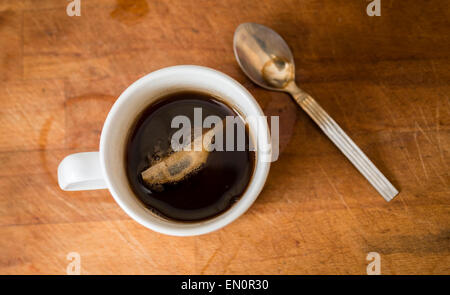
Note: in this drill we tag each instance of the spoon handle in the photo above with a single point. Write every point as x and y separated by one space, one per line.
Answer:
345 144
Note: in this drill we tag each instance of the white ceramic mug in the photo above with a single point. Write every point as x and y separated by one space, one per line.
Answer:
106 168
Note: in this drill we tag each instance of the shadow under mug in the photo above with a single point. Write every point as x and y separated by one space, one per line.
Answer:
105 169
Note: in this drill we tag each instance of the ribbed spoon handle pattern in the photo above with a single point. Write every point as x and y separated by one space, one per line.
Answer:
346 145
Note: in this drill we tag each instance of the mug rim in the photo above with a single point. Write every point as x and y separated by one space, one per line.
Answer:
239 208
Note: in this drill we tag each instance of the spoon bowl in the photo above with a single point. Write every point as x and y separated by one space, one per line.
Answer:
264 56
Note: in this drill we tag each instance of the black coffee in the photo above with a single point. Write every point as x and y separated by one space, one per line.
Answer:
219 183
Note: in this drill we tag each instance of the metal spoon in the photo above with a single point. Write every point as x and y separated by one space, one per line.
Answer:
267 60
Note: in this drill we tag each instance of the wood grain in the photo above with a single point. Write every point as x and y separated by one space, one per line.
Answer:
384 79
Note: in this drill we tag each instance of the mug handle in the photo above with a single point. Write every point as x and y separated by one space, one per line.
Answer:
81 171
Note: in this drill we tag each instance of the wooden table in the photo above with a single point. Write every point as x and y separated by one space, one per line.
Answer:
385 79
